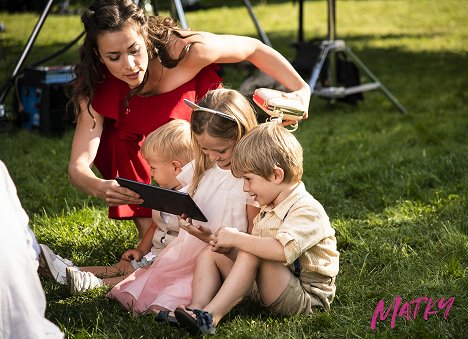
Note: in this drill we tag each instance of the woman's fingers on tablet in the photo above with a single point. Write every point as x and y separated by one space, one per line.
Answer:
119 195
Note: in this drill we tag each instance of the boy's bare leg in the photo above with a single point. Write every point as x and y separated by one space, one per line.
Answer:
272 279
210 270
142 225
119 269
237 284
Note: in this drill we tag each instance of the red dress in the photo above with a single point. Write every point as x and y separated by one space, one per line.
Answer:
124 130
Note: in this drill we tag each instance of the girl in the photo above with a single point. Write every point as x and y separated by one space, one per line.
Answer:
215 131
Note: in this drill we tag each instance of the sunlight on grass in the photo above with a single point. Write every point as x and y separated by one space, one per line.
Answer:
394 186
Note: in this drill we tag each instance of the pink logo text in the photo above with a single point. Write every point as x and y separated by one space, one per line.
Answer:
410 310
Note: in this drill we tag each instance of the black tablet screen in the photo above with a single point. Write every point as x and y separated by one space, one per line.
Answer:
164 200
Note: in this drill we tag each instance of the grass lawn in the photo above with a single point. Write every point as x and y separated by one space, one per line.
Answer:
395 186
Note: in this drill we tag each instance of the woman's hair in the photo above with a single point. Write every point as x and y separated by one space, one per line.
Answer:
114 16
268 146
171 141
227 101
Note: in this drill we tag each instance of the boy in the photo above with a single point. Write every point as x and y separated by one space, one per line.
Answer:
167 150
291 254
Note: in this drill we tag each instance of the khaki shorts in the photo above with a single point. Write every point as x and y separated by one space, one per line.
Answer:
301 298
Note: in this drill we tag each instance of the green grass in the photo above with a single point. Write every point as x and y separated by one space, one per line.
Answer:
394 186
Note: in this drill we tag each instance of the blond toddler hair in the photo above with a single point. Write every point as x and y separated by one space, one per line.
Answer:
171 141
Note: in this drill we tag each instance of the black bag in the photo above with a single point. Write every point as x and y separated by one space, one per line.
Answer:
347 74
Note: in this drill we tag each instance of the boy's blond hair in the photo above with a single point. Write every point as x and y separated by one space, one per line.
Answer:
265 147
171 141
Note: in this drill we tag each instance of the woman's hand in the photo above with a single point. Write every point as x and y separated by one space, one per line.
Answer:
303 96
114 195
132 254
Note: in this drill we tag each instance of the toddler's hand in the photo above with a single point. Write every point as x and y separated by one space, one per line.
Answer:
134 254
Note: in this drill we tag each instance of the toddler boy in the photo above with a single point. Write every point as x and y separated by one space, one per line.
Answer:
167 150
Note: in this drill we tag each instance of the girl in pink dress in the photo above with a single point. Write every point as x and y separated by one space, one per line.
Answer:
222 117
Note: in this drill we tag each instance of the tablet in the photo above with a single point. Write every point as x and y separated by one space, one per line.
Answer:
165 200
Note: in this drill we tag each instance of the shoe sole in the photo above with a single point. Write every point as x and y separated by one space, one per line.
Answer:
70 284
44 267
186 321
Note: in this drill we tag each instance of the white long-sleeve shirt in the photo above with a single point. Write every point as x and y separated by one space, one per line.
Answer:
22 299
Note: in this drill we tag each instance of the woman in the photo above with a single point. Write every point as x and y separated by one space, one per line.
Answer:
133 74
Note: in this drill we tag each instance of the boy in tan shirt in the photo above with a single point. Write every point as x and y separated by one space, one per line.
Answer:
290 260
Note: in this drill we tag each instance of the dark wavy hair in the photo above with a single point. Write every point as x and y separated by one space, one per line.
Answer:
113 16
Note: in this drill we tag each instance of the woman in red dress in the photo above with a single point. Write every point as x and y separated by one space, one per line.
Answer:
133 75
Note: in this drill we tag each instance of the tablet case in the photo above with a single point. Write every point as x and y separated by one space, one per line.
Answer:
165 200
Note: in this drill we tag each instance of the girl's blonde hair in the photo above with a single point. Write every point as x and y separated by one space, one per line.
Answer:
268 146
227 101
171 141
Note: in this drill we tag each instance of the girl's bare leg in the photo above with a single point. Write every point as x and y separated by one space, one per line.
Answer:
126 300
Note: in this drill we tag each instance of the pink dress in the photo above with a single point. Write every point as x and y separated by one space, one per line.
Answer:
167 283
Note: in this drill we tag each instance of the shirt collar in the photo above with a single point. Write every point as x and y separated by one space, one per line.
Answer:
283 208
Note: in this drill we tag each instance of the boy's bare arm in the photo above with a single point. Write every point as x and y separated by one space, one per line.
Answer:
267 248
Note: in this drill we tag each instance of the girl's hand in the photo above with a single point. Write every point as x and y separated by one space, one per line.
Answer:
132 254
114 195
224 238
198 231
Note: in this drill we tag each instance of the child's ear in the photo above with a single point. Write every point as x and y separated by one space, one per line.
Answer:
177 166
278 175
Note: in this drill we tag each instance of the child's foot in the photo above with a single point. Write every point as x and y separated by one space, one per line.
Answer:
197 321
53 265
79 281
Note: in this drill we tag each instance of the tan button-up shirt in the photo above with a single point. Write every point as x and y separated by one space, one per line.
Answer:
301 225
